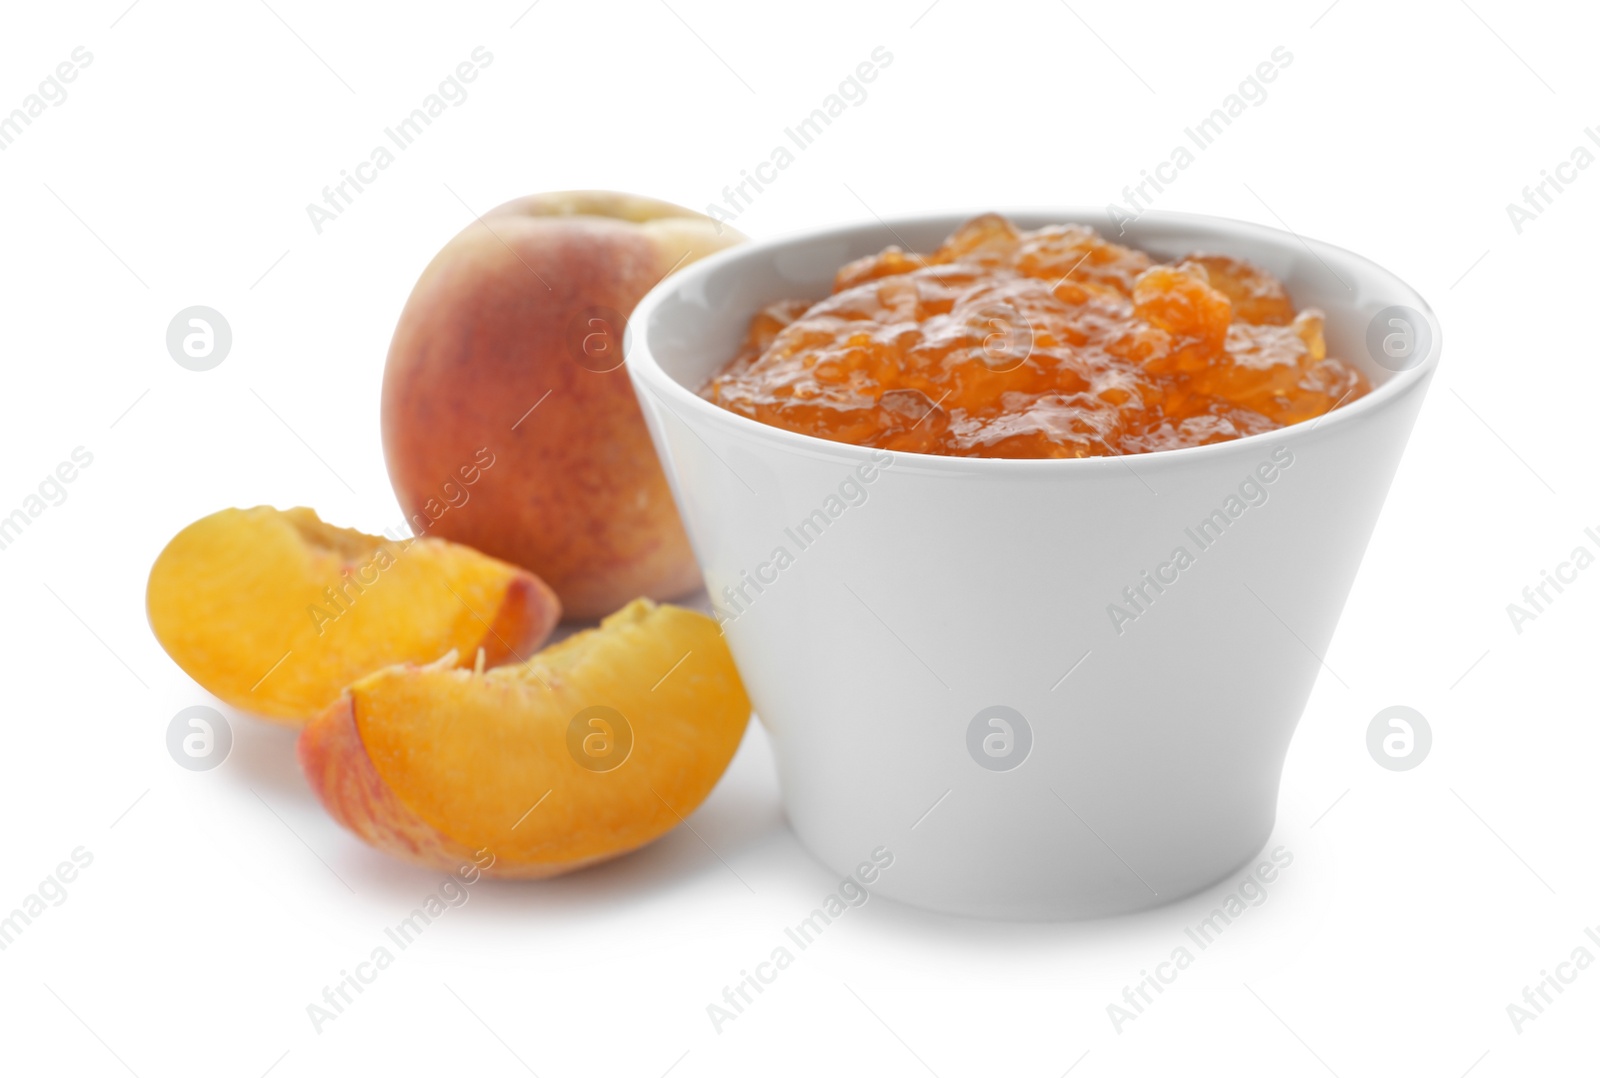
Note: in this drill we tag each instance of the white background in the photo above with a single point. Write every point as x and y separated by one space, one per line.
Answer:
219 904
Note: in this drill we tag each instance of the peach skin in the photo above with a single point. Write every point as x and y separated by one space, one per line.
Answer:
512 339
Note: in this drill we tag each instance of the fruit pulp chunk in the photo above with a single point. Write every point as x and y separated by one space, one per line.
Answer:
1050 343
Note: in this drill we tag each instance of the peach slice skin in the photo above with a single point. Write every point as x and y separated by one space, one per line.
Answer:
350 788
237 600
439 765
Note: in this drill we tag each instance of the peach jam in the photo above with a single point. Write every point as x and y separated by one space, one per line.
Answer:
1050 343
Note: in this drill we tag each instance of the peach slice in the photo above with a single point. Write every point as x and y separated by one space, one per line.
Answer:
592 748
275 611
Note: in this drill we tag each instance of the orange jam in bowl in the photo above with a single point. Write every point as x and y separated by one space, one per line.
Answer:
1049 343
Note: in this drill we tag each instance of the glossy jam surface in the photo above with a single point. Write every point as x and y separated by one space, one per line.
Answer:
1051 343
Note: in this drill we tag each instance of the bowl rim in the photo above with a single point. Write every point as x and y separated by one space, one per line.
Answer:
648 377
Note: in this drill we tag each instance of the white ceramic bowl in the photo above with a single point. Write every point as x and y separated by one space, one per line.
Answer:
935 655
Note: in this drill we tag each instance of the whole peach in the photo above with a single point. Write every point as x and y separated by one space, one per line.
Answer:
509 351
